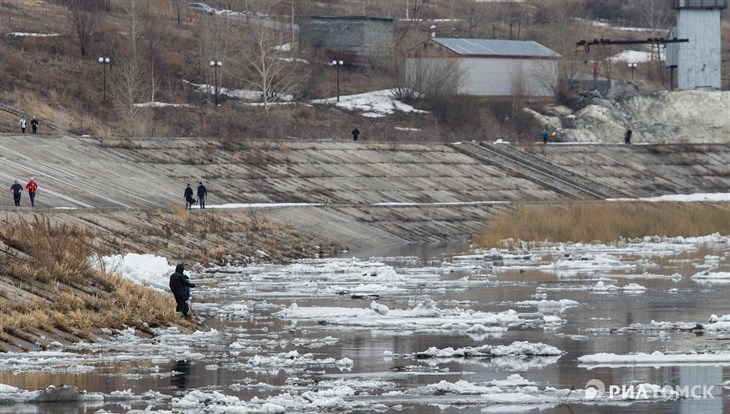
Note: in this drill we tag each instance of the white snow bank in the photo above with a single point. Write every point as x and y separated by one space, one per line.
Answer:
373 104
144 269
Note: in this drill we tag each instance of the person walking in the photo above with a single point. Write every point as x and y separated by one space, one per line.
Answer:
34 125
202 193
545 135
16 188
32 187
189 200
22 124
355 134
627 136
180 286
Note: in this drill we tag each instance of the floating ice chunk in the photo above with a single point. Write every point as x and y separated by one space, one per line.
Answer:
378 308
521 348
656 358
634 287
710 276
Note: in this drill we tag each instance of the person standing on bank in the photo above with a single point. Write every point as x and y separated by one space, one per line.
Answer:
180 286
189 201
627 136
22 124
34 125
202 193
545 135
32 187
355 134
16 188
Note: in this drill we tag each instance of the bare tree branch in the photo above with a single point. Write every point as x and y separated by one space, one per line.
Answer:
84 16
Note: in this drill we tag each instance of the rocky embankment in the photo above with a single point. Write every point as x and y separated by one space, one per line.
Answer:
359 195
654 116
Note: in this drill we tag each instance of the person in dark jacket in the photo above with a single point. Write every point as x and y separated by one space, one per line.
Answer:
627 136
179 285
202 193
34 125
355 134
16 188
189 200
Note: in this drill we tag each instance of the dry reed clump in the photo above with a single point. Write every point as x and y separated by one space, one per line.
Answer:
604 222
58 288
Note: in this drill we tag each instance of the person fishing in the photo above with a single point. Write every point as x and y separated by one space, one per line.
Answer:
180 286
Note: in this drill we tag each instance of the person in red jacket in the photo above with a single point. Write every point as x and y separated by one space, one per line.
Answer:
32 187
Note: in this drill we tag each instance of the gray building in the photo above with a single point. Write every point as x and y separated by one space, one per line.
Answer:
491 67
356 35
698 63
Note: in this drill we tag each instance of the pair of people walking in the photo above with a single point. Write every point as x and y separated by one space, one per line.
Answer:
17 190
33 125
188 196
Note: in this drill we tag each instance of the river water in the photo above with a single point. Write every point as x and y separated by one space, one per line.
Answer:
352 334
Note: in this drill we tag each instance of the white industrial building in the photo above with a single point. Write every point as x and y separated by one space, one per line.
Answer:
698 62
491 67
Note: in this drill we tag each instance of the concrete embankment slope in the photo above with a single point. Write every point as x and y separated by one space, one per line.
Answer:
360 194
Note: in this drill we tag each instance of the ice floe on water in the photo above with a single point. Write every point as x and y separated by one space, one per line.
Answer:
712 277
516 348
496 330
655 358
424 316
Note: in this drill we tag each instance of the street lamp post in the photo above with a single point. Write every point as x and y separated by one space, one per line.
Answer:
215 65
632 66
337 64
104 61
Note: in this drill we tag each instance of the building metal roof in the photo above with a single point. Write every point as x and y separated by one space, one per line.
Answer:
496 47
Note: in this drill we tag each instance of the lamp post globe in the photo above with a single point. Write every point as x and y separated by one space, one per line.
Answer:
632 66
337 64
104 61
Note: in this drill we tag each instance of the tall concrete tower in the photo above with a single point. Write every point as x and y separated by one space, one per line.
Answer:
699 61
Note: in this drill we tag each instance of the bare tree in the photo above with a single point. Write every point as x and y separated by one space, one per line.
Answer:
657 15
133 10
431 78
519 90
270 65
84 16
130 80
178 6
134 78
564 30
483 16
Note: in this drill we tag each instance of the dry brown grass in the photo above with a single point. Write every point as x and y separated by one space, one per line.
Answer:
59 289
604 222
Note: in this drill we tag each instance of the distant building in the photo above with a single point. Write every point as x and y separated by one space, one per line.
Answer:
347 35
491 67
698 63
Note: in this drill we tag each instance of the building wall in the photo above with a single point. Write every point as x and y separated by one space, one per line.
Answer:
498 76
362 36
699 61
379 37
